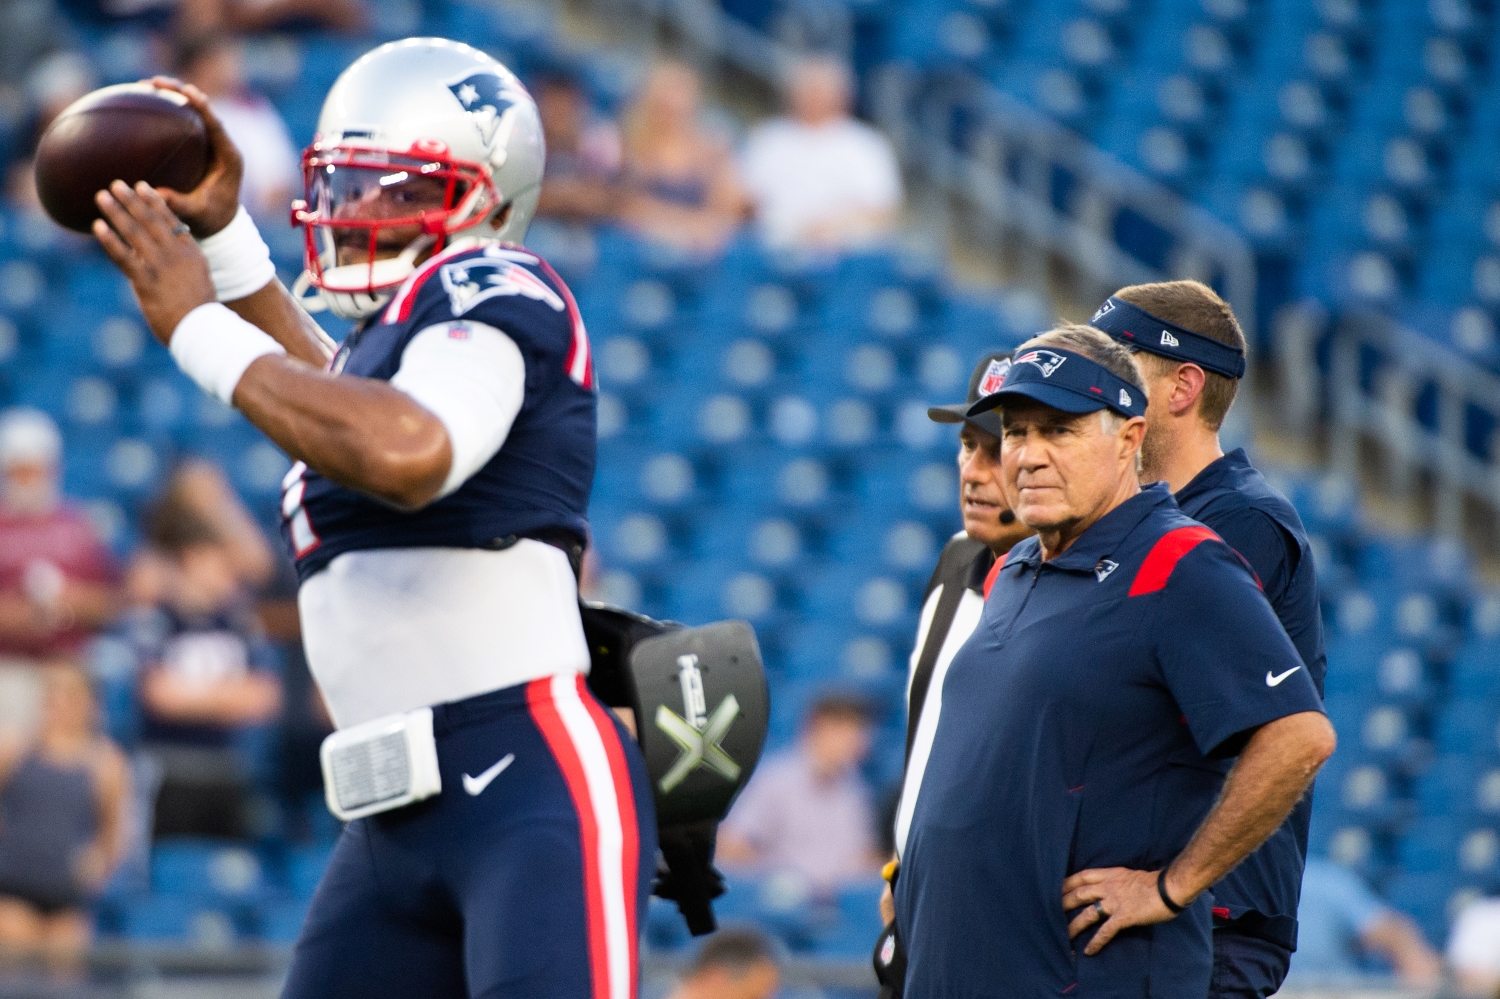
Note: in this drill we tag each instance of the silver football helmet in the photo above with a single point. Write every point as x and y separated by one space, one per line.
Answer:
424 145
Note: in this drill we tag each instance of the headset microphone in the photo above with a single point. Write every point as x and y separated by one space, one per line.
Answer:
1007 517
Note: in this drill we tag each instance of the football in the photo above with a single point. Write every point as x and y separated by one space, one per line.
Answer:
129 132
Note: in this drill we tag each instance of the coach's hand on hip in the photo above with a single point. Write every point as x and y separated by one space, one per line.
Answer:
155 252
1112 898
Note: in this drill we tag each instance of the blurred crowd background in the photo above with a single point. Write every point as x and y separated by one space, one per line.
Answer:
776 290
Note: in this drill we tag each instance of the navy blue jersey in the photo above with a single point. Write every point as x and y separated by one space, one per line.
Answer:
1078 728
538 483
1244 509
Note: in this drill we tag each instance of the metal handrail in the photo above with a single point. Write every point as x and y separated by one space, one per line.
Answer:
1381 409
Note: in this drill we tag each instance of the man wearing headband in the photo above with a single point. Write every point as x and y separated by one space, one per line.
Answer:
951 606
1190 348
1067 828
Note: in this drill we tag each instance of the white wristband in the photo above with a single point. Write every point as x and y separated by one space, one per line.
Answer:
213 347
239 261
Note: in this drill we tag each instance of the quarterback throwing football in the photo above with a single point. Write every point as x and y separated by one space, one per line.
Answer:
501 838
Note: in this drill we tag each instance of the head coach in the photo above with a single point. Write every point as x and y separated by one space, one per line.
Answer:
1191 351
1070 822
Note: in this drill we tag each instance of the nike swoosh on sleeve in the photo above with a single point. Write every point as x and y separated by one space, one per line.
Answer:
1273 681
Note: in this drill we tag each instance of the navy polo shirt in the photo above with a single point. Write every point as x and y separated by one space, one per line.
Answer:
1077 732
1230 496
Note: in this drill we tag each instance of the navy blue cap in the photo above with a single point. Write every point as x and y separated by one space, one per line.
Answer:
1067 381
1135 327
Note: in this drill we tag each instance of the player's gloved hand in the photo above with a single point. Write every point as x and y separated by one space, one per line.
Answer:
689 877
1111 899
165 267
212 205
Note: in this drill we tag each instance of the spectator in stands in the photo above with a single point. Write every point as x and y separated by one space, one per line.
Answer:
215 65
820 179
56 578
583 155
680 184
731 964
63 800
1474 949
1341 923
189 18
50 86
205 678
808 810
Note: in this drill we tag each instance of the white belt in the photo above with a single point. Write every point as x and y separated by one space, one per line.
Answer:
383 764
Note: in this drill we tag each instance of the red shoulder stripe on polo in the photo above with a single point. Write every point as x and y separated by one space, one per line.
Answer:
989 580
1164 556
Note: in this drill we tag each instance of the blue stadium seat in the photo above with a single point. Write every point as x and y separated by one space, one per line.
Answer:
206 869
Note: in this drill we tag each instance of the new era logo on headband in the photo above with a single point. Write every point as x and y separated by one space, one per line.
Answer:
1168 340
1124 398
994 376
1046 360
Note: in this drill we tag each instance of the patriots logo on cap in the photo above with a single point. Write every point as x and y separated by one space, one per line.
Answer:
1046 360
994 376
1167 339
486 96
1125 398
1104 310
470 282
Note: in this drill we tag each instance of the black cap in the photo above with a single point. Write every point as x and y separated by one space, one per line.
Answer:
989 374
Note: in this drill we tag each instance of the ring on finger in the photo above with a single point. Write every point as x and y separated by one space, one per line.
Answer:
180 229
1099 911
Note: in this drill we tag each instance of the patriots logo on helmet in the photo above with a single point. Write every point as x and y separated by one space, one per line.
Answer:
470 282
1045 360
486 96
994 376
1104 310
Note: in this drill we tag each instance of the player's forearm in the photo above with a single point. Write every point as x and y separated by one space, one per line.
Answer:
358 432
1273 772
274 310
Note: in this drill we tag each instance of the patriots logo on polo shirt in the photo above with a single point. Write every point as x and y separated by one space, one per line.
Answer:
1104 310
1046 360
470 282
486 96
1167 339
994 376
1104 568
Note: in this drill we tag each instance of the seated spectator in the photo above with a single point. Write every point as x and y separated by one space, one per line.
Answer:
583 155
273 165
57 583
680 185
808 810
1474 949
189 18
204 678
731 964
1341 924
819 179
63 801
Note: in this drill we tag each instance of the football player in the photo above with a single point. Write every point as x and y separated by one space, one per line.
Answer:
502 837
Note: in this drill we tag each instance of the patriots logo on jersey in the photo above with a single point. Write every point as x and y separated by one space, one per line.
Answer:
486 96
470 282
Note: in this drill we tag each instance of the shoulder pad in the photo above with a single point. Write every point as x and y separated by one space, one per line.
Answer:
454 285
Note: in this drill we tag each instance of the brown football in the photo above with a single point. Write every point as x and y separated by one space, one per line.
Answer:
129 132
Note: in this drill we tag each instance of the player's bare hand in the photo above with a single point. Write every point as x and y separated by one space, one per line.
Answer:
1112 898
164 266
211 205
